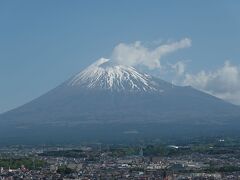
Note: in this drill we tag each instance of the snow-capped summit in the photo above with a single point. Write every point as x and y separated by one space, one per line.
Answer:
90 108
108 75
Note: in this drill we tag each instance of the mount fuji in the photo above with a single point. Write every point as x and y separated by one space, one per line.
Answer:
112 102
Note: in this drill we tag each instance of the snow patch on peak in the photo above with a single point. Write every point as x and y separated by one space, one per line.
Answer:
105 74
99 62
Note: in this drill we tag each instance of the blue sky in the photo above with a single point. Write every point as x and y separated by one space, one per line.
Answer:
43 43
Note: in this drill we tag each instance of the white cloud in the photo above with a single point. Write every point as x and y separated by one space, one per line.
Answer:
223 82
179 68
137 54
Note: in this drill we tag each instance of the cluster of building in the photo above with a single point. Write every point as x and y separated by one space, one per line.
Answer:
97 164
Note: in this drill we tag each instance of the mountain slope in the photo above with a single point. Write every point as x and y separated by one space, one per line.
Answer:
107 96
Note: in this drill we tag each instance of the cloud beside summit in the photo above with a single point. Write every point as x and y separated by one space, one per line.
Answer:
223 82
137 54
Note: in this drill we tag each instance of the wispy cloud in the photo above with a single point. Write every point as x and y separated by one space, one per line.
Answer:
223 82
137 54
179 68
